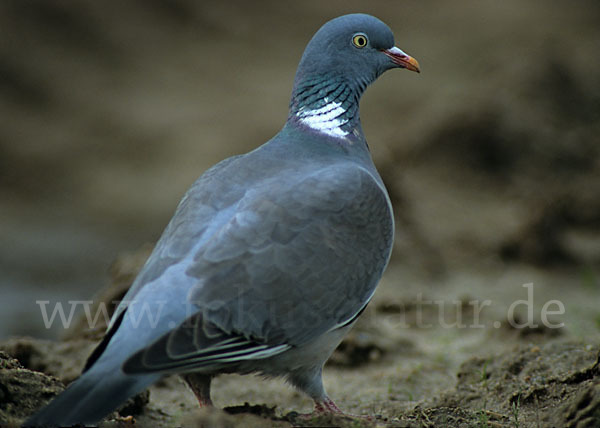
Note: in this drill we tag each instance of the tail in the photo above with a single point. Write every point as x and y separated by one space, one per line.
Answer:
90 398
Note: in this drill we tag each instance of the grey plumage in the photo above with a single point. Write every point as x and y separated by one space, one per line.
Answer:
270 256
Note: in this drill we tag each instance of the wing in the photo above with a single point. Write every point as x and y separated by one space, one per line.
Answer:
195 344
195 215
299 256
181 234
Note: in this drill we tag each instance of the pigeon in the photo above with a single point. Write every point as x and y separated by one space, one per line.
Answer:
270 257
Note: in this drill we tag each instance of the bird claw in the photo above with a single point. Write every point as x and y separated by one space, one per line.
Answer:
329 410
327 406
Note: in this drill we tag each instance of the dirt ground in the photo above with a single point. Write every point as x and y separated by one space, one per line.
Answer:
488 314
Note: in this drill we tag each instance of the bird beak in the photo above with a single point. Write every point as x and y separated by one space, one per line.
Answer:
401 59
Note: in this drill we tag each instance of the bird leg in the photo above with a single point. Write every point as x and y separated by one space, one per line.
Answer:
200 386
326 406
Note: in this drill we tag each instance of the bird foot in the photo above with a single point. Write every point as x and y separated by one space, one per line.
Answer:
328 409
327 406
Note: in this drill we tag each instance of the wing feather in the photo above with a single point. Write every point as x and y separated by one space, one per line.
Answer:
292 258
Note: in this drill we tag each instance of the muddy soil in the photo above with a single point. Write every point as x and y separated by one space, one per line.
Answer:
409 362
488 314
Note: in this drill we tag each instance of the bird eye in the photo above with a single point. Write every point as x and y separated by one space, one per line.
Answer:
359 40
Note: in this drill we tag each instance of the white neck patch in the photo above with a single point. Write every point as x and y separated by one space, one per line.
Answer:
325 119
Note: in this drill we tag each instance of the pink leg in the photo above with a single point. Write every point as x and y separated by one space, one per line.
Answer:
327 406
200 386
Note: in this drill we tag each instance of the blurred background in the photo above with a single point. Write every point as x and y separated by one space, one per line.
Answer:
110 110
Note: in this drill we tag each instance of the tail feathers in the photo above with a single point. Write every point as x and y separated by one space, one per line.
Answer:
90 398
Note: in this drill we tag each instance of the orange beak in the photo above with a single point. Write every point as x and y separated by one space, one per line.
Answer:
402 60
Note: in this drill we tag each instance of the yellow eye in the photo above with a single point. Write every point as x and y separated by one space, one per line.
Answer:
359 40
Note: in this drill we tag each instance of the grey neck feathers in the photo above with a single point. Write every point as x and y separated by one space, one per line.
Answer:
327 104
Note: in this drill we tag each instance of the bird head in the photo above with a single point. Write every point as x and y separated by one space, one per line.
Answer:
358 47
